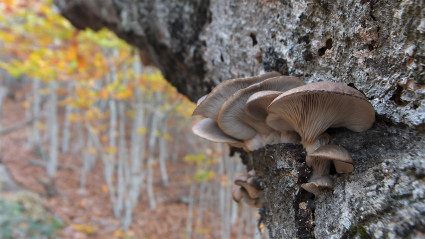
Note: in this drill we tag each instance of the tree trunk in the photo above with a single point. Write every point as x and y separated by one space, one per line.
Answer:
374 46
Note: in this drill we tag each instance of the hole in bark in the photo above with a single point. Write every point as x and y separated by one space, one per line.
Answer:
328 46
221 58
372 45
281 66
305 39
415 105
254 39
397 96
308 56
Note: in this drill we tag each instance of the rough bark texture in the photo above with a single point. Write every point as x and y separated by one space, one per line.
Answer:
376 46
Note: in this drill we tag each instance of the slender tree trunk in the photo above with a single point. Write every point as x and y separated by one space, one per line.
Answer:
3 94
35 139
53 131
122 159
163 150
66 125
88 162
190 211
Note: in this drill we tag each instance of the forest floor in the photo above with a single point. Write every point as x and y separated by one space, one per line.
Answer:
90 215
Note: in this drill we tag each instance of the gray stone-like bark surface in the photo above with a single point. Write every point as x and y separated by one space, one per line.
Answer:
376 46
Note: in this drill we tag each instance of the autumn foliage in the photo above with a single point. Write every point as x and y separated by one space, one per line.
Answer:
88 95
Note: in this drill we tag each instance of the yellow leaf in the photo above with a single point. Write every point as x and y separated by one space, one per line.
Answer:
88 229
111 150
141 130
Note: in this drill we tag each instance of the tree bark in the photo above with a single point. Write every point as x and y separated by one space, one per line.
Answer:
376 46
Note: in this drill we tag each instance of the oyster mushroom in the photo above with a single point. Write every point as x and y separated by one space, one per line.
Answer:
201 99
251 185
240 195
210 105
255 133
340 157
311 109
256 108
208 129
320 160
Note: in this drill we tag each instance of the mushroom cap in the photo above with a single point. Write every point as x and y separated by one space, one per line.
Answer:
210 106
313 108
240 179
339 155
251 186
241 195
318 185
256 105
208 129
201 99
232 118
250 183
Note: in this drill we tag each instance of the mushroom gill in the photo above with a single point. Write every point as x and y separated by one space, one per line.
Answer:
233 120
311 109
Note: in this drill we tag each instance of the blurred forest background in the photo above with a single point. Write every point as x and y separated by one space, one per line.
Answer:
96 145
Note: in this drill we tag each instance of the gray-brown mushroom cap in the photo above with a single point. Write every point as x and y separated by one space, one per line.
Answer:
256 105
232 118
208 129
340 157
200 100
210 106
240 195
250 184
318 185
313 108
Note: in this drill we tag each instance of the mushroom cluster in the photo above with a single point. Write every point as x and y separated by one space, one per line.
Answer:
248 190
232 116
252 112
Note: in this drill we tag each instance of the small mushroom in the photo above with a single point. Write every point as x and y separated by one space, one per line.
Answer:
340 157
240 195
208 129
311 109
320 161
319 185
255 133
251 185
210 106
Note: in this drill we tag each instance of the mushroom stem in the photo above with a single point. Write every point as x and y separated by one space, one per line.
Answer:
321 167
254 143
310 147
320 179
